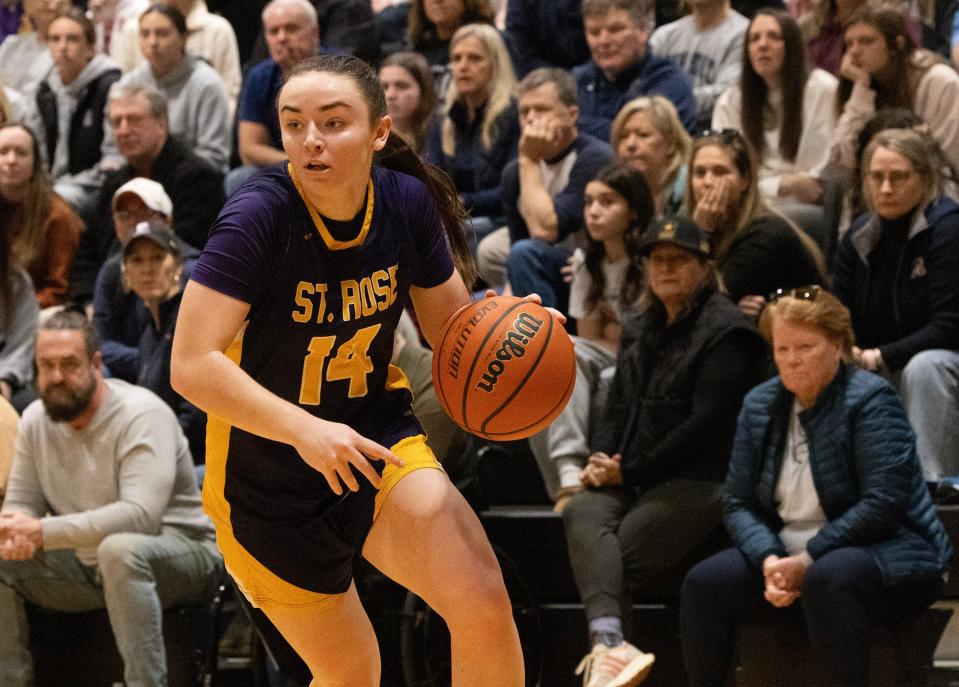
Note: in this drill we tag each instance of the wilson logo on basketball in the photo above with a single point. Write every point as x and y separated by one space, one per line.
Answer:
514 344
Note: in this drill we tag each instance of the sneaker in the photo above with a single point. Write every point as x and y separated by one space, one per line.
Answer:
590 663
621 666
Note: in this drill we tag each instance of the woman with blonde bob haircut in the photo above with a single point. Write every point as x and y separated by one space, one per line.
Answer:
648 135
825 503
479 130
896 272
756 249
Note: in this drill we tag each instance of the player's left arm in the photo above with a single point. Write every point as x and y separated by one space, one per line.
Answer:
437 304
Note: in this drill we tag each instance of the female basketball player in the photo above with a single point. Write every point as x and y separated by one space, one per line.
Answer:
313 455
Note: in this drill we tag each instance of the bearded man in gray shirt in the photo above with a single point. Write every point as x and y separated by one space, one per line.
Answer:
102 508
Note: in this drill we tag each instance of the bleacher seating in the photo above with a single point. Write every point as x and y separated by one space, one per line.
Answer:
78 648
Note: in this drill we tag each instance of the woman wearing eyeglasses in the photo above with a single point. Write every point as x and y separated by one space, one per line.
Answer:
756 249
896 272
824 500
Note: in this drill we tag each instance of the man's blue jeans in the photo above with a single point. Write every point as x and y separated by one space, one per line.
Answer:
929 385
534 266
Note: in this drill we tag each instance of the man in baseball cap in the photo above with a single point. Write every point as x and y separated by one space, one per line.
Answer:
139 200
117 314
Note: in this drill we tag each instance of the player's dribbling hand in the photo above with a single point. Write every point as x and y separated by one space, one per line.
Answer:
533 298
336 447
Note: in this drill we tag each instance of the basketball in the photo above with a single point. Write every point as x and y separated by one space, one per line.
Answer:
504 368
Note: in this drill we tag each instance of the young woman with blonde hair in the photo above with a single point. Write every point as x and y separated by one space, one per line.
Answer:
479 130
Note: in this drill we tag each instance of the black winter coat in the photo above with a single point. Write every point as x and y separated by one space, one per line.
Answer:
672 407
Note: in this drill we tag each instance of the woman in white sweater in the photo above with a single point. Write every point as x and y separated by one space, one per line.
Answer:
786 112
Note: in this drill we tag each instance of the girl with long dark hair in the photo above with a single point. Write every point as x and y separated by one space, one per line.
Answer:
784 110
607 281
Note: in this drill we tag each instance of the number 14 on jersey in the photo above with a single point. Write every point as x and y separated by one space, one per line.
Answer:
352 362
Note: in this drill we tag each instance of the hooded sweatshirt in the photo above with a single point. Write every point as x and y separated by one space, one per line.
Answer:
24 62
70 119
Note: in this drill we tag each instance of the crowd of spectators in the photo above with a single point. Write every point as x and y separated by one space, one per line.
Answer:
766 147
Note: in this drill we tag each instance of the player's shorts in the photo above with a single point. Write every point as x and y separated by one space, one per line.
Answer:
325 546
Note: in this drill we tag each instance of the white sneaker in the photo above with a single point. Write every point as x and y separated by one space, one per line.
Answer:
621 666
589 666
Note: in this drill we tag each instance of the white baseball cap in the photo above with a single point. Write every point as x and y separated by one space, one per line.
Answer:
150 192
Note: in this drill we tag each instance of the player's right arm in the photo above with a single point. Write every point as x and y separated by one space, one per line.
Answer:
203 374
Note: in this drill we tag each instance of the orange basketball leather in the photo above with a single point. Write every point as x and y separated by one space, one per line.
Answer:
504 368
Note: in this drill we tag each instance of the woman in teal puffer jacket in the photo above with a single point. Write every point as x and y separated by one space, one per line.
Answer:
825 502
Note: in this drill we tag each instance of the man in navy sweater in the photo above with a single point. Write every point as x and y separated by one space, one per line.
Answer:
621 68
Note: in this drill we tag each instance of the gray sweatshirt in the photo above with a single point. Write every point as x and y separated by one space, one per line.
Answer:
712 58
199 114
129 470
24 62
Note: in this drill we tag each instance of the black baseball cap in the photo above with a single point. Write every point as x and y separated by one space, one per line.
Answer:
679 231
156 231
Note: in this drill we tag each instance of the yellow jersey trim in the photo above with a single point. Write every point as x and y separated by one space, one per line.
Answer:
321 228
218 449
396 379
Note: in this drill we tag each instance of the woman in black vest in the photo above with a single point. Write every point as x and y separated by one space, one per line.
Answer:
655 478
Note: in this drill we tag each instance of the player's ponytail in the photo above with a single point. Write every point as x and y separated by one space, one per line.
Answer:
398 156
